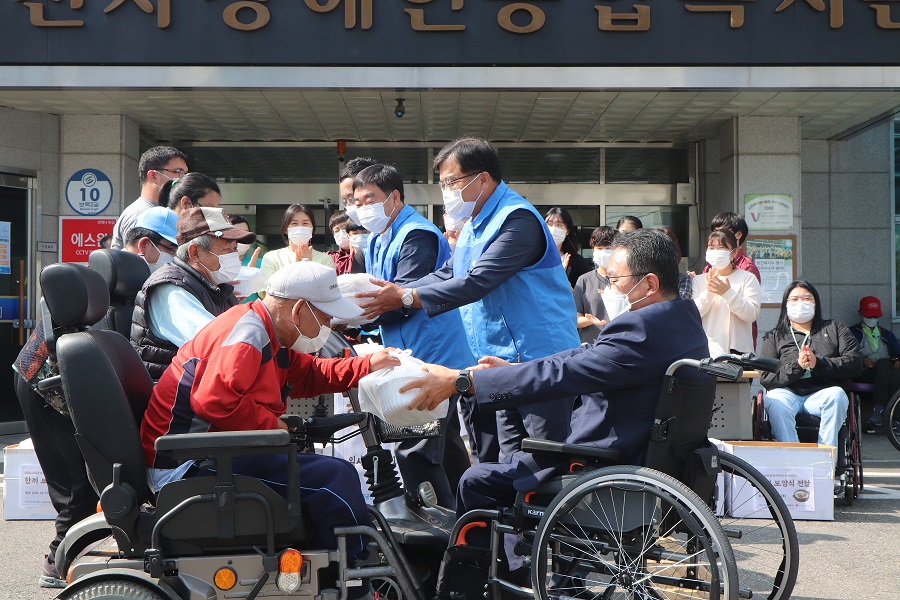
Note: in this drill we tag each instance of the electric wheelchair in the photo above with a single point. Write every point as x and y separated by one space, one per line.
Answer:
613 531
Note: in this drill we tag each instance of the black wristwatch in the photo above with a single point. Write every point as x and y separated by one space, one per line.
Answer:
463 383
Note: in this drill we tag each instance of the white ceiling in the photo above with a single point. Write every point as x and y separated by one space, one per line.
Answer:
294 117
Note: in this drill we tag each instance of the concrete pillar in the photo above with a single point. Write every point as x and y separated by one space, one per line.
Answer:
761 155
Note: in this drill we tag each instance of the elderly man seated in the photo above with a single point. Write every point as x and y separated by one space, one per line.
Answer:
231 375
180 298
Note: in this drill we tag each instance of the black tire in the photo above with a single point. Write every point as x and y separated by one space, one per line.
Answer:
765 541
631 532
891 416
114 589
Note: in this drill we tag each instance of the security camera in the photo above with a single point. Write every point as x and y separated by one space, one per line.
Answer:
400 110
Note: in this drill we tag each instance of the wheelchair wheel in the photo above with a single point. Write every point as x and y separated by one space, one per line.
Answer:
764 538
854 483
114 589
631 532
892 420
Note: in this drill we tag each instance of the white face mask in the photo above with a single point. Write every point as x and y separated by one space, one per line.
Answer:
801 312
456 207
342 239
601 257
351 212
559 235
229 267
870 322
163 259
358 241
300 234
242 249
451 224
718 259
310 345
374 218
615 302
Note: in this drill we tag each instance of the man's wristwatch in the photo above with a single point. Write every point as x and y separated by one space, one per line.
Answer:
463 383
407 300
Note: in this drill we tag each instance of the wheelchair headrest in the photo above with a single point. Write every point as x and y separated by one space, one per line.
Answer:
124 272
75 295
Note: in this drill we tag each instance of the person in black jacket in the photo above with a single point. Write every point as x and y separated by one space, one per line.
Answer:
817 357
881 358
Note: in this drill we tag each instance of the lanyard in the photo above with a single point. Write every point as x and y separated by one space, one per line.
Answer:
793 335
805 339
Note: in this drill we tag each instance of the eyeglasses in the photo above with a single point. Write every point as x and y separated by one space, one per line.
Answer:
608 280
167 248
445 184
178 172
796 299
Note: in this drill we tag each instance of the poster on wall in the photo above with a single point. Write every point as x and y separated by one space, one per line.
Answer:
5 268
79 236
769 212
777 264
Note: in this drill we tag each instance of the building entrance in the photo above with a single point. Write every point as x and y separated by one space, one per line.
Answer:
14 298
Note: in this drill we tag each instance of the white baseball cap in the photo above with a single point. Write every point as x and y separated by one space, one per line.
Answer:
314 283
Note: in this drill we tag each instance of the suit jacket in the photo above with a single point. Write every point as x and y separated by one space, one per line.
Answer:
617 380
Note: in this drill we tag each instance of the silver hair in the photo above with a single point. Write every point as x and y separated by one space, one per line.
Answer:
204 241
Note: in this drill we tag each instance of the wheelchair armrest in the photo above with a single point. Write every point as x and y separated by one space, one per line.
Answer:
536 446
183 445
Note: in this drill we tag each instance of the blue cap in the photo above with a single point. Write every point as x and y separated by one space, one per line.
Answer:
161 220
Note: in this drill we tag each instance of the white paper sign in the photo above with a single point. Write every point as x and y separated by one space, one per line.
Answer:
34 487
769 212
794 485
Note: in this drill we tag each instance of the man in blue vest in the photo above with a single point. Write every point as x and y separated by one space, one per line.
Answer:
403 247
505 277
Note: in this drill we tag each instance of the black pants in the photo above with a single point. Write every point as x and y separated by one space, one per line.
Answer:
53 435
441 460
885 378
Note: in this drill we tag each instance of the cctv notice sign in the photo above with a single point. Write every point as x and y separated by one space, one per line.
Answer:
79 236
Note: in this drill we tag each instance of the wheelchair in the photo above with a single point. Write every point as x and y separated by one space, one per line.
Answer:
609 532
849 469
892 420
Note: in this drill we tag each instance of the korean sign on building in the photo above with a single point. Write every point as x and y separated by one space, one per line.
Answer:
449 32
79 236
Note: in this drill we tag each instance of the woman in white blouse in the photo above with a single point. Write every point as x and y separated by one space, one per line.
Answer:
728 298
297 227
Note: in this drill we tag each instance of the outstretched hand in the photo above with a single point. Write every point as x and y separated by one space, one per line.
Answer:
383 359
389 297
436 385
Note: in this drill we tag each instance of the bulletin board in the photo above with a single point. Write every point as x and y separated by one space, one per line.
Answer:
776 258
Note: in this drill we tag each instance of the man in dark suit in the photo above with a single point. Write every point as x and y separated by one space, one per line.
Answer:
616 379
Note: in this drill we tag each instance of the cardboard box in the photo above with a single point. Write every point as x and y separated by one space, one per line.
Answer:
803 475
25 493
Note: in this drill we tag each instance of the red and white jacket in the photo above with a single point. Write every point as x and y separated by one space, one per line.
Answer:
231 376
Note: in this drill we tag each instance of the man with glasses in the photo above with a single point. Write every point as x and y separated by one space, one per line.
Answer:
616 379
180 298
157 166
405 246
506 279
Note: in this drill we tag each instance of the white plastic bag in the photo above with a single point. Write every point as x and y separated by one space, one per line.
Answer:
351 284
249 281
379 394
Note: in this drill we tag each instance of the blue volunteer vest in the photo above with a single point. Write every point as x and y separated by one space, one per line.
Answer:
531 314
441 339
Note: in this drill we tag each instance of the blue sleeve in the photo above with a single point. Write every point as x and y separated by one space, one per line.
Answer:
176 315
520 243
418 255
